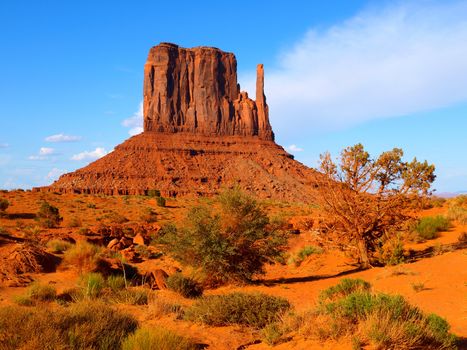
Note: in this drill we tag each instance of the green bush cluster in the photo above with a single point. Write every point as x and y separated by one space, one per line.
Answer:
4 204
429 227
304 253
48 215
230 244
380 320
250 309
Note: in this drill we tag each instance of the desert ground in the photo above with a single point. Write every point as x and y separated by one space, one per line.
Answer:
431 276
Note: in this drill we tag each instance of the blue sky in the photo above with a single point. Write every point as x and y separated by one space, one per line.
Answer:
383 73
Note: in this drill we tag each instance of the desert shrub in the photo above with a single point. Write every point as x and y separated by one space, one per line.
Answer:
428 227
116 282
91 206
91 285
154 193
131 296
160 201
271 334
345 287
148 215
157 339
87 325
379 320
4 204
232 244
158 307
83 255
48 215
304 253
37 292
74 222
458 213
185 286
251 309
58 245
391 252
462 237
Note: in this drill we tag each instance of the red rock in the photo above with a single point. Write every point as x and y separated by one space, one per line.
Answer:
201 134
157 279
138 239
113 243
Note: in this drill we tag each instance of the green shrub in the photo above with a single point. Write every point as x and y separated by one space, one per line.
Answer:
154 193
382 321
87 325
345 287
157 339
232 244
428 227
4 204
116 282
91 285
250 309
160 201
58 246
272 333
304 253
36 292
185 286
48 215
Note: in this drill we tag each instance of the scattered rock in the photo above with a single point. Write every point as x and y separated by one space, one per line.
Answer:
138 239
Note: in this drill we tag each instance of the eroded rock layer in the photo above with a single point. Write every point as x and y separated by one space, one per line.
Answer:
185 164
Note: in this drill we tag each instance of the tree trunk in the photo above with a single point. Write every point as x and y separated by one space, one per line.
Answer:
363 253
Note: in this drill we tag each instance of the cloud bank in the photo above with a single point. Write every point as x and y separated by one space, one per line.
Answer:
99 152
135 122
389 62
62 138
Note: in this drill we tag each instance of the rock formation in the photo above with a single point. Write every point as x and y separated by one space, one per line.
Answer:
201 133
196 90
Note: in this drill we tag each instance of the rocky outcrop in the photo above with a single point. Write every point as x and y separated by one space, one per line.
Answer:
201 134
196 91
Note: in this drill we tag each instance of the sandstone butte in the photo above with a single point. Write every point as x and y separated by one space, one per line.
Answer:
201 134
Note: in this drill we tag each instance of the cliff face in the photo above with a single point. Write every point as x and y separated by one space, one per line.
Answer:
196 91
201 134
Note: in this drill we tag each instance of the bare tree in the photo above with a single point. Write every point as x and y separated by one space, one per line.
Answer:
364 199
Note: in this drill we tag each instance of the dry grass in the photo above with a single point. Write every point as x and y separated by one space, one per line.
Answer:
83 256
79 326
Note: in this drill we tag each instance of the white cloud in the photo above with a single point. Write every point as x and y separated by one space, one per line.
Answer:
46 151
294 148
99 152
135 122
55 173
62 138
395 61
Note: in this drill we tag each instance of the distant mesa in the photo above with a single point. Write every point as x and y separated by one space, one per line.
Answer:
201 133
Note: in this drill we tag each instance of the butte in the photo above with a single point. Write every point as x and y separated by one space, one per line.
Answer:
201 134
